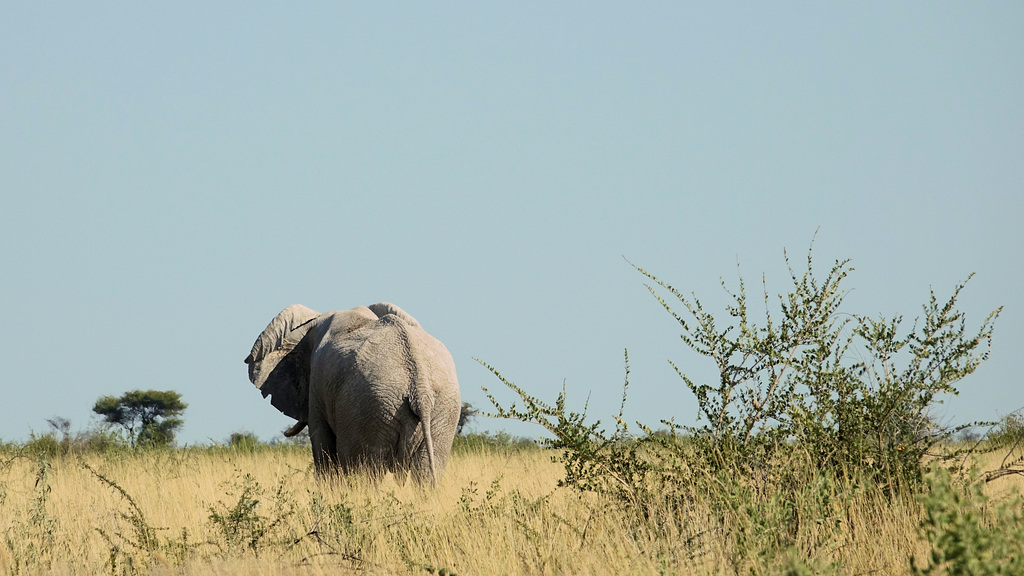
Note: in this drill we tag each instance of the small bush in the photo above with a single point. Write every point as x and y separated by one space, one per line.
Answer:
1008 433
46 446
59 442
254 520
969 535
478 441
245 441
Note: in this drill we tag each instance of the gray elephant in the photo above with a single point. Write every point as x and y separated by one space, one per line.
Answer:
377 391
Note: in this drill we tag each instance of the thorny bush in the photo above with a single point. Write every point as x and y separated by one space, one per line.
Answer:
811 387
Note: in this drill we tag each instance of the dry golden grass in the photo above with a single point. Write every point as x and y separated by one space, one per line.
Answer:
496 512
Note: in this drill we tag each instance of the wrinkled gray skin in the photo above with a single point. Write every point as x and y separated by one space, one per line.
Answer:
376 390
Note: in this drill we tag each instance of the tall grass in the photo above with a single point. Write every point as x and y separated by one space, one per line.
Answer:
498 511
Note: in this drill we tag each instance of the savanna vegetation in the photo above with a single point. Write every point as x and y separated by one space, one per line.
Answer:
147 417
815 453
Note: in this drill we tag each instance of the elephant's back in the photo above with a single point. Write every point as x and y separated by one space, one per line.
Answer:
384 350
391 352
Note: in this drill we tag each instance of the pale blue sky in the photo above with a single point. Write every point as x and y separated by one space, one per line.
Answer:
173 176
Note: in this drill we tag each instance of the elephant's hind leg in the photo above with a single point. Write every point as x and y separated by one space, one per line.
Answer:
410 439
325 449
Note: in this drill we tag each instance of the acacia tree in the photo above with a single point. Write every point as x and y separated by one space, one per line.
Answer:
149 417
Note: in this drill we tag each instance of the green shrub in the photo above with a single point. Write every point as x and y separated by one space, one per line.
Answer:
479 441
1008 433
59 442
46 446
245 441
969 535
643 472
852 391
255 520
808 401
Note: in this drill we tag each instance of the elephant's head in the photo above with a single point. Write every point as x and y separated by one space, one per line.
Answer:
280 358
279 361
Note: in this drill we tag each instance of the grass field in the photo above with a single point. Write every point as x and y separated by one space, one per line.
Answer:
498 511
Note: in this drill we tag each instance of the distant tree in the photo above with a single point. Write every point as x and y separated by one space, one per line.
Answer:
465 415
150 417
243 440
60 426
969 435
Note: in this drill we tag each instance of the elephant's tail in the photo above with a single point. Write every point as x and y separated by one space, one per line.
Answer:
415 439
431 459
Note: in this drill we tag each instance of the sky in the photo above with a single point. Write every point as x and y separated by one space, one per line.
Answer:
172 176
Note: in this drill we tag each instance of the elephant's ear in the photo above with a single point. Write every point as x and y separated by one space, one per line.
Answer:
279 361
382 309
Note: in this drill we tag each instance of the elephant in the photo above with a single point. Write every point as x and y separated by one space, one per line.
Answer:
378 393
